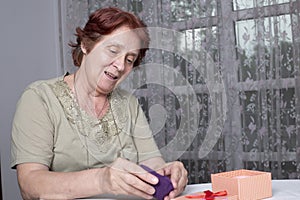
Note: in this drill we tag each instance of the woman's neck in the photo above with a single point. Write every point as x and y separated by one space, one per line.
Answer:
94 103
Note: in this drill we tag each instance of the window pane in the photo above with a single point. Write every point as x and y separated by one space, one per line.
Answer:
199 39
200 170
262 111
250 120
135 6
265 48
198 43
288 120
244 4
184 10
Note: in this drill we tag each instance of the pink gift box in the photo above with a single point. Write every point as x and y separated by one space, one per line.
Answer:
246 184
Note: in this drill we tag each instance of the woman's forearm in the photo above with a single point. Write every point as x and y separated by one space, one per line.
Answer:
37 182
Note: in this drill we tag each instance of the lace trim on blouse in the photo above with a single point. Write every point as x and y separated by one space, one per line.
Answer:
100 131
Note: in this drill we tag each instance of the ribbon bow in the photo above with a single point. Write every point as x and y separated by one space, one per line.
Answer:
208 195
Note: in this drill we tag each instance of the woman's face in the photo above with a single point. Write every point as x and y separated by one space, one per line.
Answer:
111 60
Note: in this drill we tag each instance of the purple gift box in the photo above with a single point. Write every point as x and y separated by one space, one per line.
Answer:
163 187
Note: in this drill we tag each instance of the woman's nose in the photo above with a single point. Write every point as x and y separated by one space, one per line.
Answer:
119 63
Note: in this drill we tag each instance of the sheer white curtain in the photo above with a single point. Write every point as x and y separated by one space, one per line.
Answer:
219 84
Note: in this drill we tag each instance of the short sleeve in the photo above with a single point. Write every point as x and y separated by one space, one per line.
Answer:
143 137
32 131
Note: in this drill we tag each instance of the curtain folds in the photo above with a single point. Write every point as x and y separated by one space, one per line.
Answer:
220 82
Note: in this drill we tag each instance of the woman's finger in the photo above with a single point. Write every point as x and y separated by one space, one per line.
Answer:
132 168
135 187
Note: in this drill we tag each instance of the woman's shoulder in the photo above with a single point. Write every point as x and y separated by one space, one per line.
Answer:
40 87
124 98
41 83
124 94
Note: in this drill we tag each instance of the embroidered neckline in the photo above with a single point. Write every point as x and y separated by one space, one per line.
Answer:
100 131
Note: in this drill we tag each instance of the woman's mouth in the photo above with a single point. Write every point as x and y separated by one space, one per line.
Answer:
110 75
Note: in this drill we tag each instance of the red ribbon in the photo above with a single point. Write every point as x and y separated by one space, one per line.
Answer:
208 195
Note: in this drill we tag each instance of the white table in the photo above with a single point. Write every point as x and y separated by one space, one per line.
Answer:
281 189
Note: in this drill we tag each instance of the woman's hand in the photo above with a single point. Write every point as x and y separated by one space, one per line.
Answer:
178 175
175 170
125 177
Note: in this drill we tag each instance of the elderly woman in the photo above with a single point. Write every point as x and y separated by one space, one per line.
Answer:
78 135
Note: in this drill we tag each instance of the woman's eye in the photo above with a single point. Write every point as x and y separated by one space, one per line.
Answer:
113 51
129 61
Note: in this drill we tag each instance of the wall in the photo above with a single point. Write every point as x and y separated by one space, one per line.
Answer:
29 50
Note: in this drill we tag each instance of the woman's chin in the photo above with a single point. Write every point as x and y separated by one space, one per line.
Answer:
105 90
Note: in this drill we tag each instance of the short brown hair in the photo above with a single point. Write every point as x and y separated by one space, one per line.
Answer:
103 22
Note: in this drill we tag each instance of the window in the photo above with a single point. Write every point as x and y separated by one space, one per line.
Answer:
250 50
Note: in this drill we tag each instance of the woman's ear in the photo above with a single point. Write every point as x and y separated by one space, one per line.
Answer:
83 49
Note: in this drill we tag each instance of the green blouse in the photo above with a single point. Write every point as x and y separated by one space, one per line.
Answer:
50 128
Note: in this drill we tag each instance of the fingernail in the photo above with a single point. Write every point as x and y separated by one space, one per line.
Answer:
152 191
154 179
